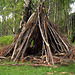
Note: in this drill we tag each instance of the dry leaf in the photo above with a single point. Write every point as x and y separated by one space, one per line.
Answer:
63 72
55 66
54 71
49 73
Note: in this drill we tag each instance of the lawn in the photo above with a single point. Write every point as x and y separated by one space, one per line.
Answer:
28 70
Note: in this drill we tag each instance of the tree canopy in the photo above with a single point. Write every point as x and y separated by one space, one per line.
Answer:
10 10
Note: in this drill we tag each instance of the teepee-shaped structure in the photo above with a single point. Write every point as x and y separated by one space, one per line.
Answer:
38 35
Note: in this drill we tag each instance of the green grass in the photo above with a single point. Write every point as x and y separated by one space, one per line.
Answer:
6 40
28 70
73 43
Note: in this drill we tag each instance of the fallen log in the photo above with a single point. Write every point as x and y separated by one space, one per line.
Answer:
12 64
40 65
1 57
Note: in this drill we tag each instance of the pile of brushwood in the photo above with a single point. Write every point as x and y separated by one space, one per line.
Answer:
38 37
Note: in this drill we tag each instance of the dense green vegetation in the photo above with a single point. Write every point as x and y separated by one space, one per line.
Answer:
73 43
6 40
11 11
28 70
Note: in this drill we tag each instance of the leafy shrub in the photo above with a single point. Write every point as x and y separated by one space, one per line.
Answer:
5 40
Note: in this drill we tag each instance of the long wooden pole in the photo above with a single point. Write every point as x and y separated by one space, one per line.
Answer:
47 44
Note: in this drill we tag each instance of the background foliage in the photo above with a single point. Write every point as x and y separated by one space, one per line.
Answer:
58 10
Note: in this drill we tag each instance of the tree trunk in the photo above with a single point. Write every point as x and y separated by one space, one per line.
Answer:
26 13
49 8
55 13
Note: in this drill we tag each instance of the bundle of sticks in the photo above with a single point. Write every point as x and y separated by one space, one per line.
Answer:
50 39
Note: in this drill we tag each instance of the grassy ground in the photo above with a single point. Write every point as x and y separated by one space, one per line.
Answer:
28 70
